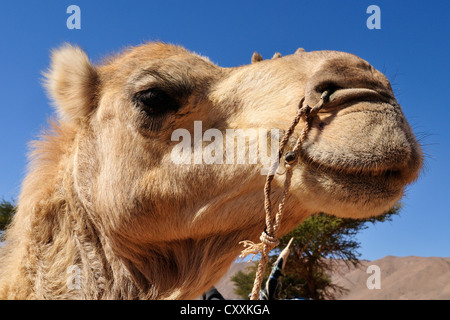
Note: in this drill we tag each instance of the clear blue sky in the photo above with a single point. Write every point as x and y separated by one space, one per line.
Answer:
411 48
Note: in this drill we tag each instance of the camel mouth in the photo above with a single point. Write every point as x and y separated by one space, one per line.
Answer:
350 193
362 135
378 173
357 185
400 169
378 183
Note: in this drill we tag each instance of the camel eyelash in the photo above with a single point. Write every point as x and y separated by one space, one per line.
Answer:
147 124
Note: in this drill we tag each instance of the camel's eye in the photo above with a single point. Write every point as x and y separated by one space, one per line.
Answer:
155 101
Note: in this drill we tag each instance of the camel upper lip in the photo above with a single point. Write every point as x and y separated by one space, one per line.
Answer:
347 95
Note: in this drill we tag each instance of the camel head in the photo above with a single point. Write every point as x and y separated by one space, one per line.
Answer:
150 165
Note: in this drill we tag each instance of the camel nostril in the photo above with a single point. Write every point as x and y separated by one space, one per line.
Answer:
320 90
330 87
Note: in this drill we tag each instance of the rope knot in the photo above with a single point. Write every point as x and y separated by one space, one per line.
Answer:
268 242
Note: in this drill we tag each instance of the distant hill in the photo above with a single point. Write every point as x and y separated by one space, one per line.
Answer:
412 278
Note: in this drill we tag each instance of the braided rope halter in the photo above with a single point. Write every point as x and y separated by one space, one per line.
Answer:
268 237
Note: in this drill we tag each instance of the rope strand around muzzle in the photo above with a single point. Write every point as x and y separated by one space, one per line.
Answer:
268 237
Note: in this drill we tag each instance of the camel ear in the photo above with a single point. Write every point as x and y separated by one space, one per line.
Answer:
72 83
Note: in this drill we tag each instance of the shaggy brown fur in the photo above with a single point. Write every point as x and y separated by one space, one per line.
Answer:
103 198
